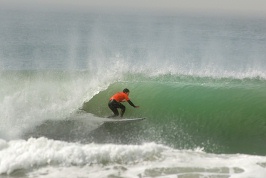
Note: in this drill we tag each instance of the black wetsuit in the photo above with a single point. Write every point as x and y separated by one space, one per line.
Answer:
113 105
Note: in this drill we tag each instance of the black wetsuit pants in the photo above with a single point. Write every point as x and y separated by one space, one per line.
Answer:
114 105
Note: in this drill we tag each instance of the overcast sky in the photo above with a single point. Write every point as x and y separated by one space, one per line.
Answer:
249 7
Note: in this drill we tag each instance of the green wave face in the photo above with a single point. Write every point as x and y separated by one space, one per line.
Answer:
221 115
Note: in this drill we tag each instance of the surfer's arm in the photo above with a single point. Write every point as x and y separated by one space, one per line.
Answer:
132 104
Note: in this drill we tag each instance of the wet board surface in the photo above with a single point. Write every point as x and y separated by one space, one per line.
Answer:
124 120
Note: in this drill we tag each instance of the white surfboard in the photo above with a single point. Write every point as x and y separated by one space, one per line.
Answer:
123 120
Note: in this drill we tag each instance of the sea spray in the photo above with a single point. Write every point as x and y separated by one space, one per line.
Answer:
36 96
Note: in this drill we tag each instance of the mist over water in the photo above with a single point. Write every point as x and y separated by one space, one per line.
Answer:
183 44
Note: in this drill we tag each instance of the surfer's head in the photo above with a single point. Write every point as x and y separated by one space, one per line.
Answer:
126 90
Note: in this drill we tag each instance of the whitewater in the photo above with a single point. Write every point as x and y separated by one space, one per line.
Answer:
199 81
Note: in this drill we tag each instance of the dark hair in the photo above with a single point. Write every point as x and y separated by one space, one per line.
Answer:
126 90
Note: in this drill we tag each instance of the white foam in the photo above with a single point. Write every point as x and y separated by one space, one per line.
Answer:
49 158
22 154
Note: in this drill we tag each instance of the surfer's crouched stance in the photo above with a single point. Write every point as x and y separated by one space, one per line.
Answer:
115 103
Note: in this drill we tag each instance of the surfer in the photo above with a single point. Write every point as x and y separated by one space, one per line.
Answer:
115 102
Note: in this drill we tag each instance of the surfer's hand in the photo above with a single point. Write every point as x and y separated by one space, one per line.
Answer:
136 107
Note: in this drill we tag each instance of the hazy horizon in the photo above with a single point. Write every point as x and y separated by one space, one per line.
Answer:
241 7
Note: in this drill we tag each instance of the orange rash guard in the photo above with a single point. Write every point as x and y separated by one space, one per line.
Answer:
120 97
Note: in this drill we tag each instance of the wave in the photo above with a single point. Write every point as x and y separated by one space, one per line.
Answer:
223 115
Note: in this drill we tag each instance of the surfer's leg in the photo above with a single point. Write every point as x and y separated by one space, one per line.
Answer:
123 109
113 106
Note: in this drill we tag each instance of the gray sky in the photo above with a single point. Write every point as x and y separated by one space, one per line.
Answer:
249 7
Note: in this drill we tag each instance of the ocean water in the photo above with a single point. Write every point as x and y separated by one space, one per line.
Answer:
199 81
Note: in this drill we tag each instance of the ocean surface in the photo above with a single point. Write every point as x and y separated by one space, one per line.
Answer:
200 82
